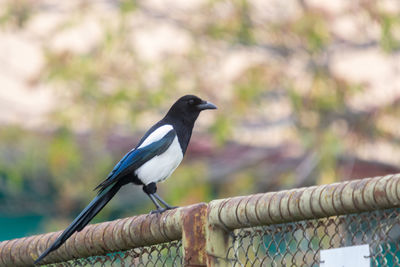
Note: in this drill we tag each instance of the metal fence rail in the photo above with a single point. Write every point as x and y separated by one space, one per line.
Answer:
286 228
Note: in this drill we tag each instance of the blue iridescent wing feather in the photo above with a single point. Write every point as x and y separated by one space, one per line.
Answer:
136 158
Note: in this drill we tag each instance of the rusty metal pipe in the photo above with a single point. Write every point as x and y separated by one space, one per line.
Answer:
306 203
96 239
222 215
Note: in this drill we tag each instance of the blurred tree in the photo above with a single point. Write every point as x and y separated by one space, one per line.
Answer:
283 92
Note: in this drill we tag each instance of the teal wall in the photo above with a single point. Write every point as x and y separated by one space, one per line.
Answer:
19 226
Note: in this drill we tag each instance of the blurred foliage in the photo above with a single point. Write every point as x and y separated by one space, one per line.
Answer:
110 91
16 13
389 41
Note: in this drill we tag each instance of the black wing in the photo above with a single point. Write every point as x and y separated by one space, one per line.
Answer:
136 158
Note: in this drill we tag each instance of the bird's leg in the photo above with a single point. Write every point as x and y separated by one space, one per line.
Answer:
150 190
168 207
158 206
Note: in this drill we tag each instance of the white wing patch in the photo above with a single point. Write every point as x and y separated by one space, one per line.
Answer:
160 167
157 135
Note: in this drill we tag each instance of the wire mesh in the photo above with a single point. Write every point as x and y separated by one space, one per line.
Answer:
166 254
299 243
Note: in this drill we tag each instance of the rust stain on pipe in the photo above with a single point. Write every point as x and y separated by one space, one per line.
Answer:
193 235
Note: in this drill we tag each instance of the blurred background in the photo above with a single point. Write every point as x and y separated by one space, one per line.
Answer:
308 93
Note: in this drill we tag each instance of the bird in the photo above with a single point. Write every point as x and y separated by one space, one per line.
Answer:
154 159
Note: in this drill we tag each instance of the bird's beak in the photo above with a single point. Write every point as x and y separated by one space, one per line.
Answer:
206 105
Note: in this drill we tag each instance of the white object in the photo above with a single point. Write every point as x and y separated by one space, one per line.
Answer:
156 135
354 256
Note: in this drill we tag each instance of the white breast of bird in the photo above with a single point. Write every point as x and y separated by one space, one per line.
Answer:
162 166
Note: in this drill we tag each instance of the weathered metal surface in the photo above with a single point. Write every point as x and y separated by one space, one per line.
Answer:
209 225
218 241
96 239
306 203
193 235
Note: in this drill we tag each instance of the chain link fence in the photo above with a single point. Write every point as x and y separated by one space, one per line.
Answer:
300 243
286 228
166 254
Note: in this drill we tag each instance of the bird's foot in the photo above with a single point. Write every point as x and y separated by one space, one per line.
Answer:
158 211
171 207
161 210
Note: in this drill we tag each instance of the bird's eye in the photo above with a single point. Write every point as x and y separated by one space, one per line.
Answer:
191 101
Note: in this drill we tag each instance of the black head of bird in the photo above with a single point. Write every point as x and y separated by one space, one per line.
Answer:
188 108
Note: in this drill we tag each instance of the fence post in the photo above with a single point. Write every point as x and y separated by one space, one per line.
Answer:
193 235
218 239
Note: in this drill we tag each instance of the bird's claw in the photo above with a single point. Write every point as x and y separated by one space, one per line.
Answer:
161 210
158 211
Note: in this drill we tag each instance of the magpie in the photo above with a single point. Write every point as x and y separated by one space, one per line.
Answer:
156 156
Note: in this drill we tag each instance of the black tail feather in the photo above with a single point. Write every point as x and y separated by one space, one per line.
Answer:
83 218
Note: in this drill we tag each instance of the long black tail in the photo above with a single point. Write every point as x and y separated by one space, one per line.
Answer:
83 218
